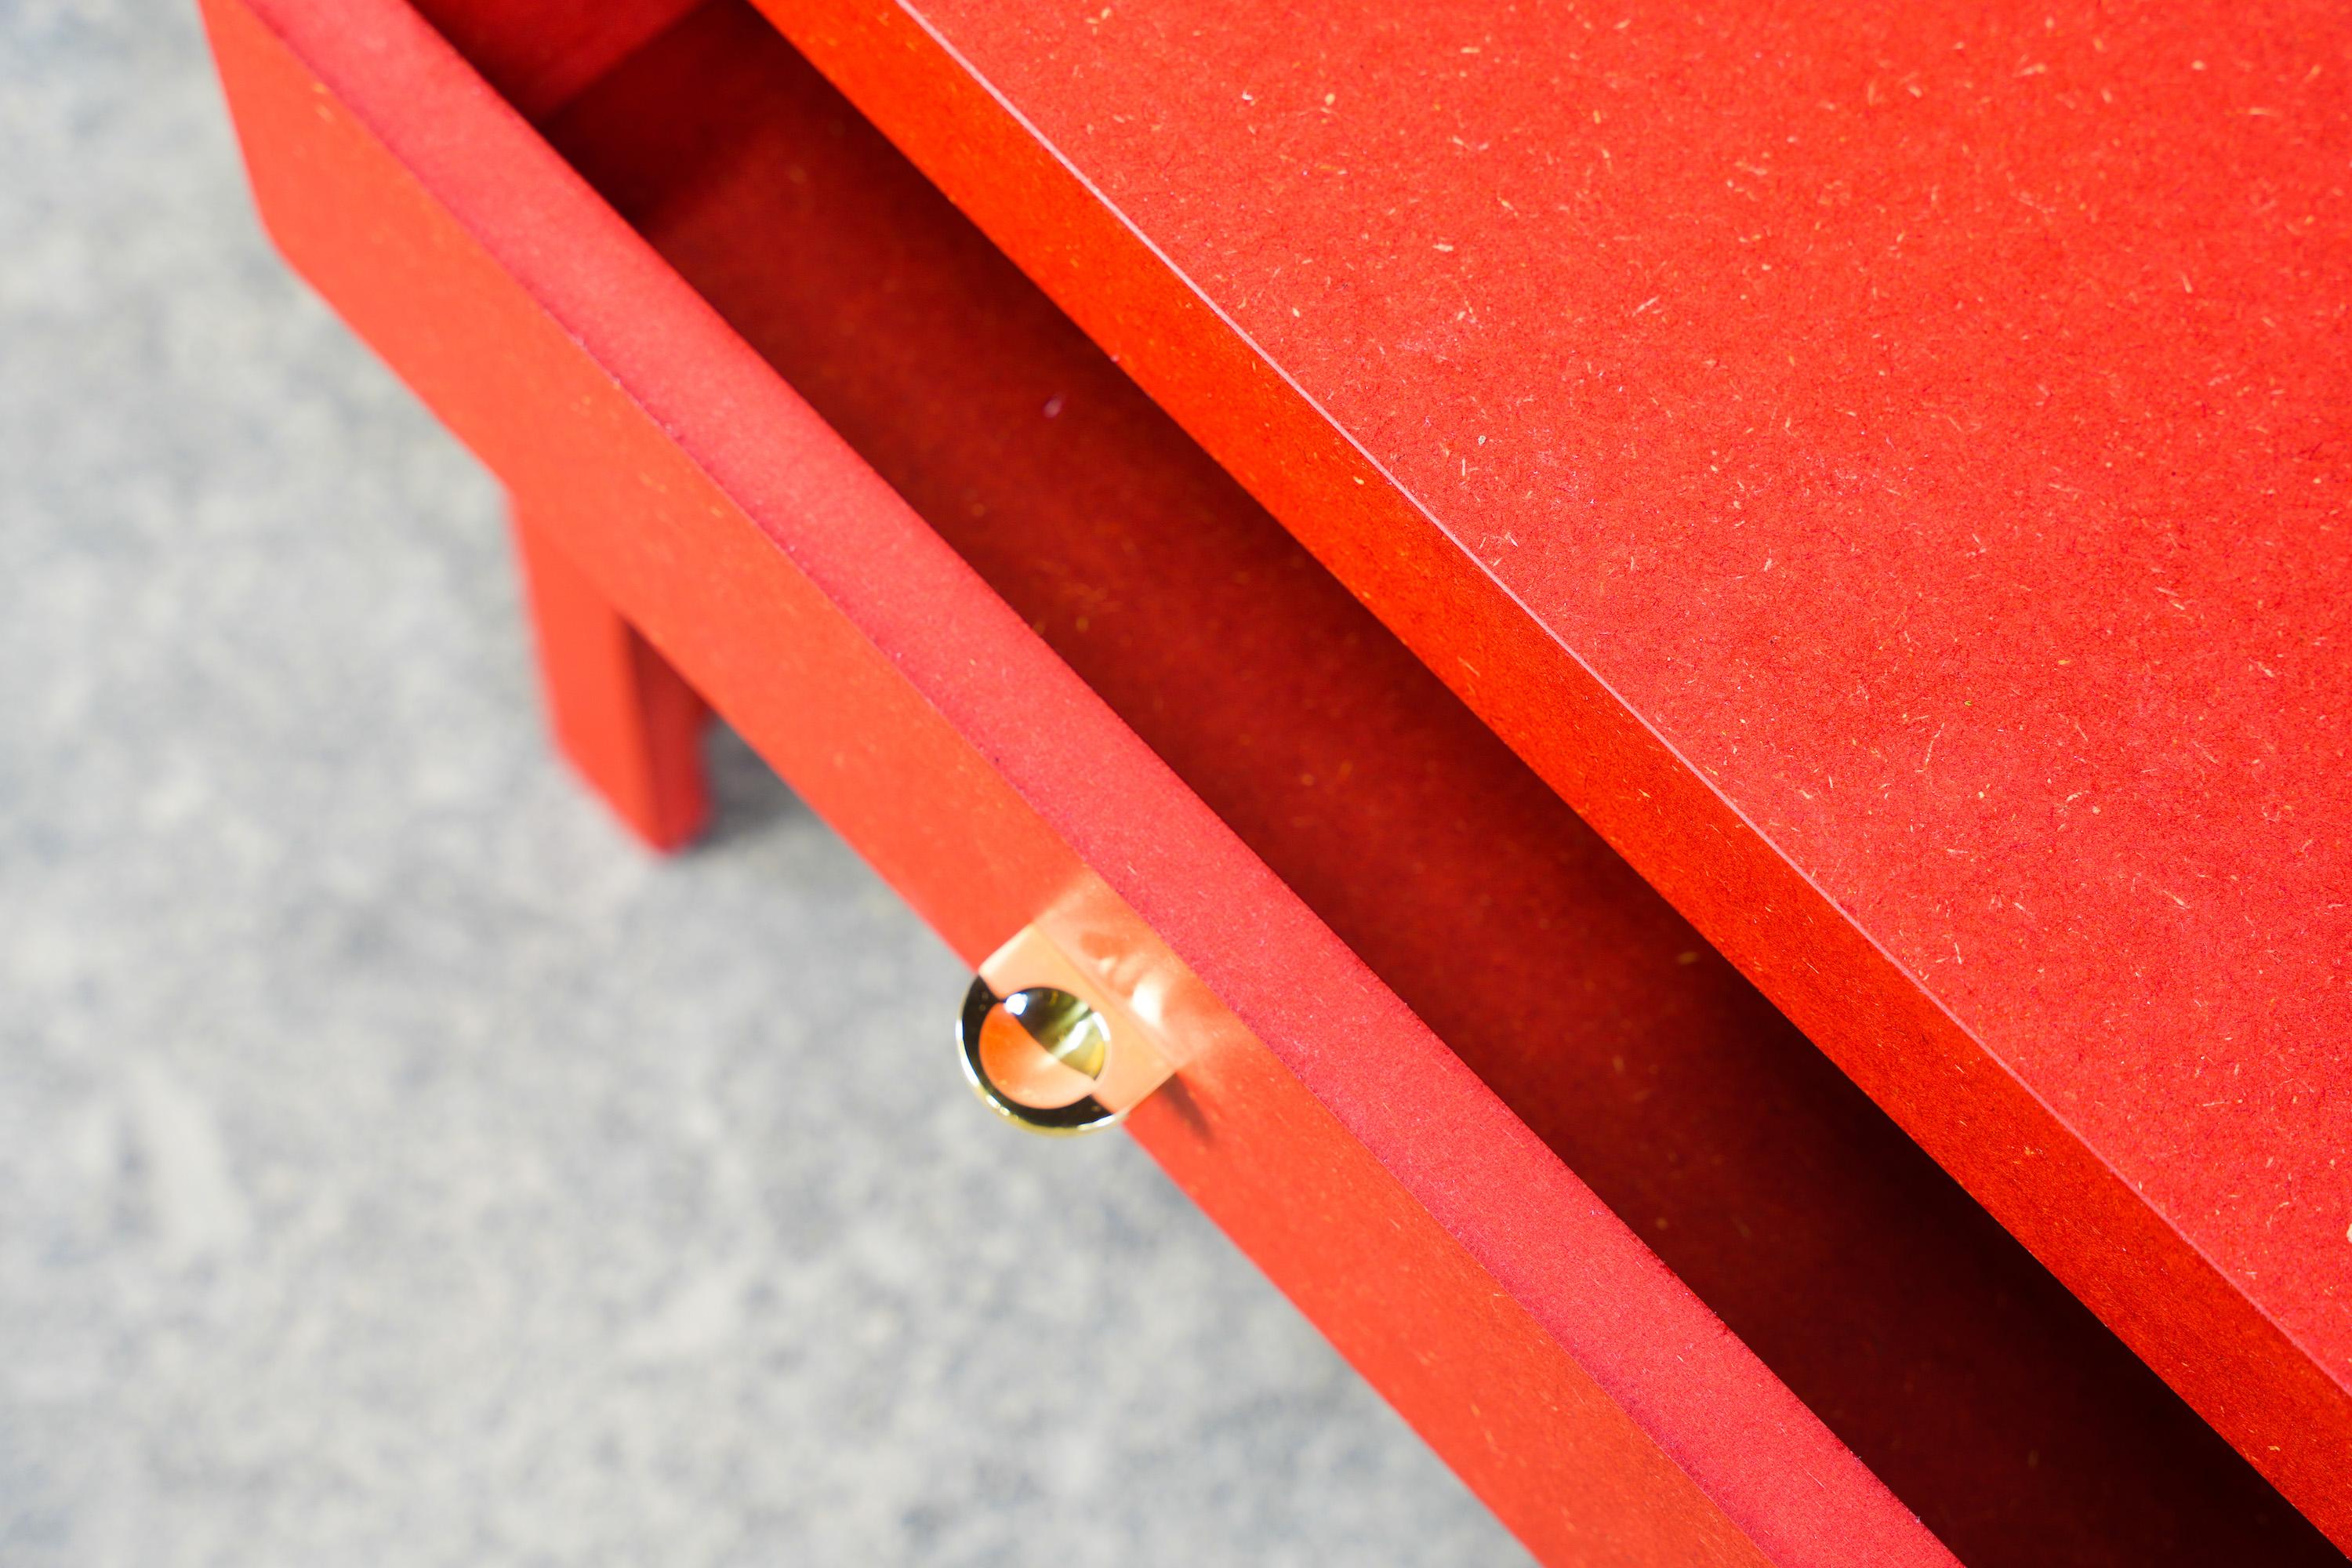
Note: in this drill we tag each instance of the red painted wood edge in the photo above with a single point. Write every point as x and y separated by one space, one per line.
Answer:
2019 1156
1590 1398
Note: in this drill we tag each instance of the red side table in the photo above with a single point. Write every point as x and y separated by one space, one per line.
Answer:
1527 559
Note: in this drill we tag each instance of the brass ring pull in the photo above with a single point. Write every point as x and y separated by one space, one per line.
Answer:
1073 1037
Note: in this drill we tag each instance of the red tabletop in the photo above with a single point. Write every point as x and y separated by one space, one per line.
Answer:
1886 465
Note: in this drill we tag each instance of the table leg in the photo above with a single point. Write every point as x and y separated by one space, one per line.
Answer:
620 712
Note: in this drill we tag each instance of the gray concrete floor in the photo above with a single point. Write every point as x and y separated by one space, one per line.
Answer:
396 1165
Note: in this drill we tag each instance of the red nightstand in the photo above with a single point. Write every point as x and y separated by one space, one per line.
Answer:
1883 469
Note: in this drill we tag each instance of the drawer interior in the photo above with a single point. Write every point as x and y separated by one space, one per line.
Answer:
1923 1335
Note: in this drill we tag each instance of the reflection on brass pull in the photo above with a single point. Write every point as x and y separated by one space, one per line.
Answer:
1057 1051
1062 1033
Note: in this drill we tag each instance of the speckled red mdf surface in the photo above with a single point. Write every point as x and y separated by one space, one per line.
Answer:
1885 466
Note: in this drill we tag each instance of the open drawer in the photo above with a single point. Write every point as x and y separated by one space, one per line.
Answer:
1653 1276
